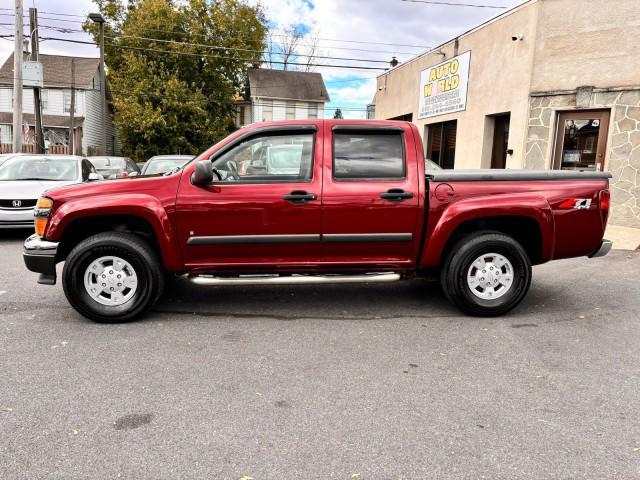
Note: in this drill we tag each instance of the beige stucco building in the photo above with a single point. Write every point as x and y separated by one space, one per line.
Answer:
548 84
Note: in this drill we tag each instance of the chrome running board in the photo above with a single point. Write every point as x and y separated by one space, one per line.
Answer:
293 279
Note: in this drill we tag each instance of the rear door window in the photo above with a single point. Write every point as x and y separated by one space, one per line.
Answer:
368 155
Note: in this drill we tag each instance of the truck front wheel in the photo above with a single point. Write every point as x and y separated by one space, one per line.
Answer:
112 277
486 274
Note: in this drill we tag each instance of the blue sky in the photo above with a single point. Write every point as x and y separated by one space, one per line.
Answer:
362 29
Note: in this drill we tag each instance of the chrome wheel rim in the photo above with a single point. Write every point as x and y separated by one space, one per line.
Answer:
110 281
490 276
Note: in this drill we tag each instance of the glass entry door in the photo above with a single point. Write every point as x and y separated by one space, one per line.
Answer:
581 140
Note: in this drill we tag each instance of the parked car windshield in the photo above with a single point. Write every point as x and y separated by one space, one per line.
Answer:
102 163
39 168
162 165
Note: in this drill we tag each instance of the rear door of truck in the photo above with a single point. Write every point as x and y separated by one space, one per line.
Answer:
372 194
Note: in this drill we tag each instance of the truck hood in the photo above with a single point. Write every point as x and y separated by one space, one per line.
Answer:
28 189
131 185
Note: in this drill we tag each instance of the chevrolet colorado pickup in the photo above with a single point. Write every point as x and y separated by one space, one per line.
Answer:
312 202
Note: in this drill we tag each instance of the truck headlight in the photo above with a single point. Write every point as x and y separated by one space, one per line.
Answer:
41 214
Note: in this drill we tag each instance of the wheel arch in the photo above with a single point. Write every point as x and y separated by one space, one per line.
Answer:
72 223
525 230
526 218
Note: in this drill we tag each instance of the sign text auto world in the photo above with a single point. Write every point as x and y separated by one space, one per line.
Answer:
443 87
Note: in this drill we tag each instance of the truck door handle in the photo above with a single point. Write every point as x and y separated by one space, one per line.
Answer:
300 196
396 195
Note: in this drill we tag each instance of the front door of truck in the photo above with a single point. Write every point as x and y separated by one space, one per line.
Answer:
372 194
265 208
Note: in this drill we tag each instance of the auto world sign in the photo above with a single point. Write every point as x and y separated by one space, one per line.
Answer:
443 87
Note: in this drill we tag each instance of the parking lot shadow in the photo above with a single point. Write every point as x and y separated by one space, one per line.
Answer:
416 298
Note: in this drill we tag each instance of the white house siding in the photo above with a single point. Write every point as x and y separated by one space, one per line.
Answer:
279 110
54 103
5 134
92 124
5 100
302 112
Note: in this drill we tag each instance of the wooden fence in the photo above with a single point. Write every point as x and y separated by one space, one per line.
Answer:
31 148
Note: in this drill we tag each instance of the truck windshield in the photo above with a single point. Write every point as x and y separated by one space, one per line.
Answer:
39 168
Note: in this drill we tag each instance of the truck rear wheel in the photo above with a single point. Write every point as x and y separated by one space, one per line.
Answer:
486 274
112 277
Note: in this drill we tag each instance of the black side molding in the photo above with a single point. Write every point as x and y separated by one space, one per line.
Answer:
367 237
252 239
303 238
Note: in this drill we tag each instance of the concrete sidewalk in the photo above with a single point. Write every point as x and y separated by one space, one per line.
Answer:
623 238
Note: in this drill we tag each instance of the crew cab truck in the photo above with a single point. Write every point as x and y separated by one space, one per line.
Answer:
312 202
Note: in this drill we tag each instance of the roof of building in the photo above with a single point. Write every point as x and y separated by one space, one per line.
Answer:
307 86
57 71
47 120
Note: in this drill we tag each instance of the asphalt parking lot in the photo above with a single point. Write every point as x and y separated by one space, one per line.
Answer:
325 382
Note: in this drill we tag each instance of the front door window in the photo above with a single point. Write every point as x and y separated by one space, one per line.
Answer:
581 140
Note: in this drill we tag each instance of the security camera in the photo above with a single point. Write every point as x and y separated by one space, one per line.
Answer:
517 38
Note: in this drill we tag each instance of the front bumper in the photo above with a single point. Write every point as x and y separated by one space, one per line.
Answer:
605 247
40 256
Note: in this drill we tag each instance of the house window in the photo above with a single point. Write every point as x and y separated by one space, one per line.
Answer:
441 143
313 111
243 115
291 111
267 110
66 99
44 99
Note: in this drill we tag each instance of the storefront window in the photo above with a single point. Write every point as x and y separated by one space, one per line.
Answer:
441 143
580 140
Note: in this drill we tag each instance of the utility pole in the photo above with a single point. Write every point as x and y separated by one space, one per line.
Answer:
72 109
17 80
37 104
97 18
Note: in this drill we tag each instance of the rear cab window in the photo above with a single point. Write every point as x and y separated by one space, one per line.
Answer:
360 155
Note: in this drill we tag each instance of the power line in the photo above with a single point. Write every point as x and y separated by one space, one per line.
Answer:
452 4
236 49
208 55
71 30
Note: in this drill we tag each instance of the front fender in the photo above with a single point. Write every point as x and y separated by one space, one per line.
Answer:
527 205
135 204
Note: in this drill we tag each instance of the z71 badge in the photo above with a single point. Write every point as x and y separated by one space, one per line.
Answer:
576 203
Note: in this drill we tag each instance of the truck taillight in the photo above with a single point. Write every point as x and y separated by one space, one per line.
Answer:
605 202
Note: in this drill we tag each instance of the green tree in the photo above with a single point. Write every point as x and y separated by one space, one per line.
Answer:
175 68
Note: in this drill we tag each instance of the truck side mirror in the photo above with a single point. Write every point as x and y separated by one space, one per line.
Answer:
203 174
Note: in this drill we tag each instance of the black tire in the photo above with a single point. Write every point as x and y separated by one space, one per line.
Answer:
457 266
132 248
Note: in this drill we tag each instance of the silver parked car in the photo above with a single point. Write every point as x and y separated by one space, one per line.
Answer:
112 168
159 164
23 178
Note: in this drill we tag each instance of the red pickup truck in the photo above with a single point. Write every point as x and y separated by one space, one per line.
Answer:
315 202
